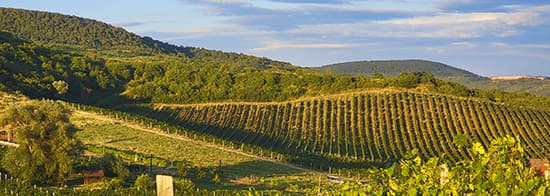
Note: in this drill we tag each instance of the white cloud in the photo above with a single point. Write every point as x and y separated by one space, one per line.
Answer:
443 25
225 1
491 49
274 45
464 44
535 46
217 31
453 47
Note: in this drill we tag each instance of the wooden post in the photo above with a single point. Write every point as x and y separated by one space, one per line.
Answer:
151 164
165 186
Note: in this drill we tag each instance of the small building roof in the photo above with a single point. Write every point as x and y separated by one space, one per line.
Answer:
96 173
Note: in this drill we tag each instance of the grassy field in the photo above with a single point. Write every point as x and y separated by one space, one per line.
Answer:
238 170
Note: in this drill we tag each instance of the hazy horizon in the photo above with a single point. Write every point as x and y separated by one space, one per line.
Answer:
486 38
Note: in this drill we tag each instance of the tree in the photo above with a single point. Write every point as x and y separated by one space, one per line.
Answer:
61 86
407 80
113 166
46 149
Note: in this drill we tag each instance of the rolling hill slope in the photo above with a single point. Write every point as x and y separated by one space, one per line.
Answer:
372 127
367 127
81 34
395 67
439 70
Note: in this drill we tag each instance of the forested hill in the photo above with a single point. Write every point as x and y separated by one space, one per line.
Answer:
395 67
81 33
62 29
34 63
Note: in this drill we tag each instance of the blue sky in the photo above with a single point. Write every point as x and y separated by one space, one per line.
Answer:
483 36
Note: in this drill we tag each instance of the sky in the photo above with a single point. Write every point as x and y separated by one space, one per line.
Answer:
487 37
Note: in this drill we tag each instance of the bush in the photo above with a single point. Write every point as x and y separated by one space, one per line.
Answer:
183 169
113 166
114 184
144 182
183 185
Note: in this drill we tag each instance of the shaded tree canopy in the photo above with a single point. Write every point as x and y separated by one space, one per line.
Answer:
46 149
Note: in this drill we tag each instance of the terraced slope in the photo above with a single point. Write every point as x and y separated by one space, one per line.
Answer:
7 99
368 126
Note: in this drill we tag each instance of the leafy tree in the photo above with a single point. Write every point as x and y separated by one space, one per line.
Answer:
113 166
61 86
407 80
47 147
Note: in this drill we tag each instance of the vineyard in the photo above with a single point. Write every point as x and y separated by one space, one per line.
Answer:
368 127
7 99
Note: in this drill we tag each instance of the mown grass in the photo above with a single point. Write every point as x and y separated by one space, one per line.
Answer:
238 171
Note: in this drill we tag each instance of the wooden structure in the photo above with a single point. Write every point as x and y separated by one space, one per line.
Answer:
165 185
92 176
541 167
335 179
6 134
7 137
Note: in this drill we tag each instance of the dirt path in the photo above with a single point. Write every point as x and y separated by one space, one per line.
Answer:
159 132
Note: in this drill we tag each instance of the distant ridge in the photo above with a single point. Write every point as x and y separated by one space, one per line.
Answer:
538 85
518 77
395 67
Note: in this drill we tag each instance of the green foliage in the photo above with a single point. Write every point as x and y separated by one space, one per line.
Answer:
201 173
39 71
58 28
201 76
46 149
183 184
216 176
61 86
498 170
396 67
144 182
359 129
127 155
393 68
113 166
183 169
407 80
114 184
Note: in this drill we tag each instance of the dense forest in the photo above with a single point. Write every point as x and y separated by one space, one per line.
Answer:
58 28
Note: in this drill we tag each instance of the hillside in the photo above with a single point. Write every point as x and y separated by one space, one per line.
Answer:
60 29
534 86
240 170
393 68
363 128
246 125
33 66
81 34
138 144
